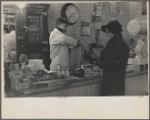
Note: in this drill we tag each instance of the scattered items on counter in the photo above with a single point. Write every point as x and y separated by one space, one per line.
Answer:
137 61
62 72
43 76
132 68
92 68
40 73
136 68
87 70
96 68
26 70
78 72
35 65
132 53
20 79
24 78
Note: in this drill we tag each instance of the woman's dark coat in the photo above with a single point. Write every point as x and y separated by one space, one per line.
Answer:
114 62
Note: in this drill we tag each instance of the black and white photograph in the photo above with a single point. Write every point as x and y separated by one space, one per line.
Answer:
74 49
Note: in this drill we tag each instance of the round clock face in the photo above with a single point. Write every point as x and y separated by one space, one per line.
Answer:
70 12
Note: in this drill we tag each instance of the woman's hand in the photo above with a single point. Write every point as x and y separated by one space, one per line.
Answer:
99 63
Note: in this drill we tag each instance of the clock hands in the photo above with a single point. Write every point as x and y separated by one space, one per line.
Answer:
71 15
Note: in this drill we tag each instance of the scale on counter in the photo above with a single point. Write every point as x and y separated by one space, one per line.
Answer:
138 28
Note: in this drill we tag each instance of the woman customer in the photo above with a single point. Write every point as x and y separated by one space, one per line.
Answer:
114 60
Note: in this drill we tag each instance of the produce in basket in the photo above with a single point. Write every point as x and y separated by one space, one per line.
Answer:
78 72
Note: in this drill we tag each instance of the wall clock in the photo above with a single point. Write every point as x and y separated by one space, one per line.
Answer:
70 12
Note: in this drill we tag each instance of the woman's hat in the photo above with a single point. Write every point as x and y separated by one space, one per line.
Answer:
113 26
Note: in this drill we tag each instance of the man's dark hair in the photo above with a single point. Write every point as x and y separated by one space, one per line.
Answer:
62 20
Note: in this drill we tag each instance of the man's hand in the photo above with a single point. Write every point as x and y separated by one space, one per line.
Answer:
78 43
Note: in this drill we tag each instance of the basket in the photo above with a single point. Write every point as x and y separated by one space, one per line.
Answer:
18 82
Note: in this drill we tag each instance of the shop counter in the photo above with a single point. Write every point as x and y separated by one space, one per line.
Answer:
86 86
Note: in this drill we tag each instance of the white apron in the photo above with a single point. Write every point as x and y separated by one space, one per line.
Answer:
59 49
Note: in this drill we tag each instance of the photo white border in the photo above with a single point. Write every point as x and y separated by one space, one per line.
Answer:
134 107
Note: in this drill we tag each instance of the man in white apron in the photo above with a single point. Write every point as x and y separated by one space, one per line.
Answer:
59 45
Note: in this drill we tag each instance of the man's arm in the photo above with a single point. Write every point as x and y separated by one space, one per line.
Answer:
63 39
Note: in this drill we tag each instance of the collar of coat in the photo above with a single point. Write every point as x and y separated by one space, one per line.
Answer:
59 29
115 38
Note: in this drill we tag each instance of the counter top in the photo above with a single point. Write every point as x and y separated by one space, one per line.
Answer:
61 84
